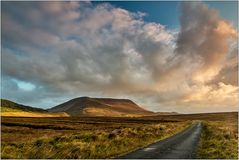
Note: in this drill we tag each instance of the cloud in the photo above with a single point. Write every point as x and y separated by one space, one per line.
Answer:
204 35
70 49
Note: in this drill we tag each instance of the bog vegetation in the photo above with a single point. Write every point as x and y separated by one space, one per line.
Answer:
80 138
219 140
105 137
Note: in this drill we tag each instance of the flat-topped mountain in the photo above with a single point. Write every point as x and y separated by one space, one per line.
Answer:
86 106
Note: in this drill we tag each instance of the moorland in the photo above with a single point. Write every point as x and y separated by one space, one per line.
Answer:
109 137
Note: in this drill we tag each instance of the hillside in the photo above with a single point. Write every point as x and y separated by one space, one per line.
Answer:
9 106
86 106
12 109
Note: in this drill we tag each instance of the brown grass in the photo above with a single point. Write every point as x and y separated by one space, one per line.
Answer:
108 137
80 137
219 139
33 114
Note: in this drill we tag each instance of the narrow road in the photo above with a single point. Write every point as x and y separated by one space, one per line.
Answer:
180 146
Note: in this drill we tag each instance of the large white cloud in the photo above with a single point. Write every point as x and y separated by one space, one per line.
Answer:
70 49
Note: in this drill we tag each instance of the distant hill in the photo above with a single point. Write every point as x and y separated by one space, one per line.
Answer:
217 116
86 106
83 106
9 108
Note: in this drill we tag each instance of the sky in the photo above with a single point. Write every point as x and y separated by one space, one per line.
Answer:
165 56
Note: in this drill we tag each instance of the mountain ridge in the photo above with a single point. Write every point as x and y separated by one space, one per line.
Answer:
81 106
87 106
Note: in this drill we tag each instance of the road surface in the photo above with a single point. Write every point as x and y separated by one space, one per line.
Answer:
180 146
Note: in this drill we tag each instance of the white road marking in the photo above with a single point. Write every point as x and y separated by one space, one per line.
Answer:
148 149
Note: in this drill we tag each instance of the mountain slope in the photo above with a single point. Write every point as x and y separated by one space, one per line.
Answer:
86 106
9 108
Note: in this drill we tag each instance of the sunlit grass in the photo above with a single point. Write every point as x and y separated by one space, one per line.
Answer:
107 143
219 140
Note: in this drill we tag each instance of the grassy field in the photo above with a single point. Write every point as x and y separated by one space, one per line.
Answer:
108 137
81 137
219 140
33 114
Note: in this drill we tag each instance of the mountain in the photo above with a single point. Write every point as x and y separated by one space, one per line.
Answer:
9 108
86 106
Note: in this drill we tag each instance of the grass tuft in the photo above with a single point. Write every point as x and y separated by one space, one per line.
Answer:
219 141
